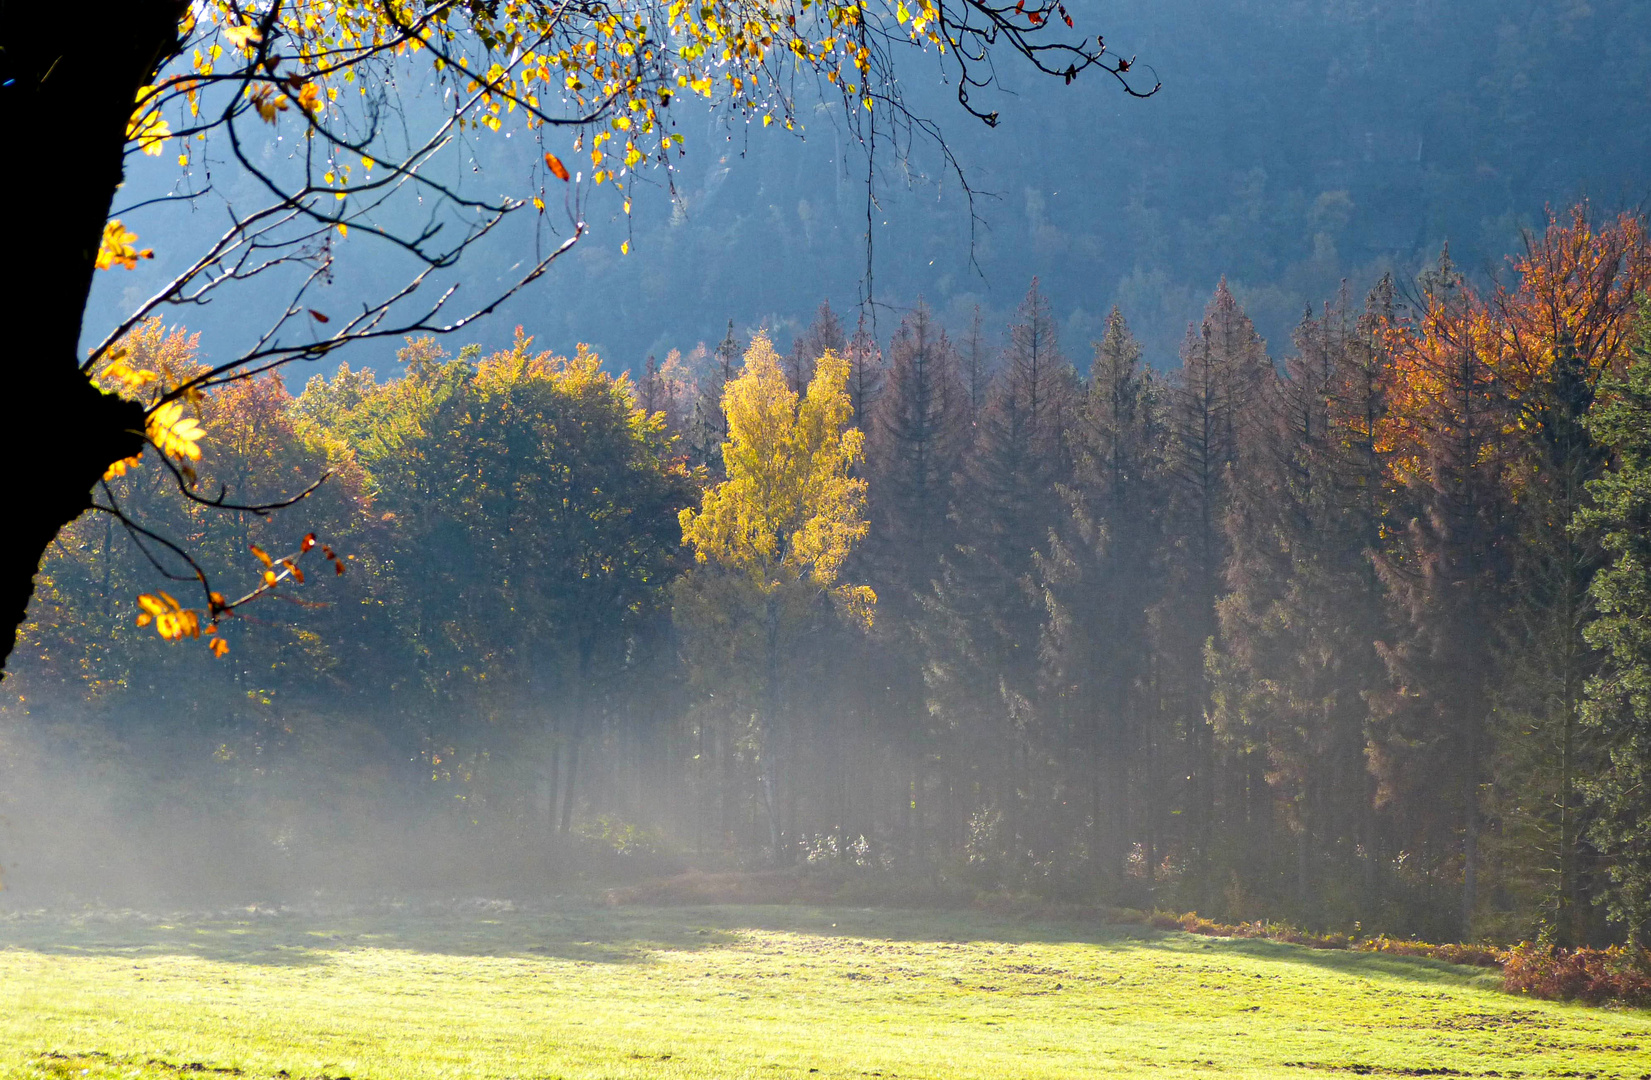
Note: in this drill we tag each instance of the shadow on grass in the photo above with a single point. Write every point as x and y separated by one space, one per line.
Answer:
626 935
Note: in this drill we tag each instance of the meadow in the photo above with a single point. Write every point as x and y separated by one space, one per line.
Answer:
489 989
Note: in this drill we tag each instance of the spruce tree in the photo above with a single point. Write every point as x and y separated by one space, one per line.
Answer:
1216 407
1100 576
987 612
1618 707
824 334
1304 607
707 425
1448 571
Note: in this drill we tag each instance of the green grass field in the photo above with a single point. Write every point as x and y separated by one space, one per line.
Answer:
758 992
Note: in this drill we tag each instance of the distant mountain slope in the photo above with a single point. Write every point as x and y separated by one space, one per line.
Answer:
1294 144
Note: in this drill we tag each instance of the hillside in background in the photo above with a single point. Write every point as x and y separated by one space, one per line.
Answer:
1293 145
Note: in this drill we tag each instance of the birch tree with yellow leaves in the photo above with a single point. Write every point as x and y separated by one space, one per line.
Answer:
770 541
297 106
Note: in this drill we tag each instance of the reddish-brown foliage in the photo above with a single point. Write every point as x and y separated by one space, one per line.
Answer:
1618 974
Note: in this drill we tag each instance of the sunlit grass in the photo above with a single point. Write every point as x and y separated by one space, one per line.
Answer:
751 992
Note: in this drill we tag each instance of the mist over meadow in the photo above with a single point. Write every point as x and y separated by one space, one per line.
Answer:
1232 510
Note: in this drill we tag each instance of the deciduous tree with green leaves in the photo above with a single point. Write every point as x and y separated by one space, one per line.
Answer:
296 99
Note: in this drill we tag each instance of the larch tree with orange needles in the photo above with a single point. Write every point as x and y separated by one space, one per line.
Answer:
1553 334
1446 434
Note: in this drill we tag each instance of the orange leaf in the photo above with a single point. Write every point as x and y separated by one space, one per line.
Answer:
309 542
269 577
557 169
317 316
219 646
262 555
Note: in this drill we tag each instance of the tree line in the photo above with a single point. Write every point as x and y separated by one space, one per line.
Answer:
1355 634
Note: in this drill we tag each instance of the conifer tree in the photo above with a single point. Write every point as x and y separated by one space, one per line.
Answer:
1552 336
1448 571
824 334
1618 707
1216 408
1099 578
707 425
987 612
1304 607
916 448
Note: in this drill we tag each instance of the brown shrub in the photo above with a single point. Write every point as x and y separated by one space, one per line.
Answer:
1471 955
1617 974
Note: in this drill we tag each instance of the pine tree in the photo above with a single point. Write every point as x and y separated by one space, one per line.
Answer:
1448 572
1618 707
1099 579
1552 337
867 373
1304 607
1216 408
707 425
986 614
824 334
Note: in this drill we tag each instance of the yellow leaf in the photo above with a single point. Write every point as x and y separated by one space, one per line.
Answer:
117 246
146 127
240 35
121 467
175 434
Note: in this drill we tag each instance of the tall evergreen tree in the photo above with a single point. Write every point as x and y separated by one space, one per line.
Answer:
1304 608
824 334
1552 336
1217 403
707 424
1099 578
987 612
1448 571
1618 706
918 436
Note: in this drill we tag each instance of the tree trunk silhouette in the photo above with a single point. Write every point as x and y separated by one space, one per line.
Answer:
61 431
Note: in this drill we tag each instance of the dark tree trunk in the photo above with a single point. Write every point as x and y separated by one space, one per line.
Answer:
67 106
